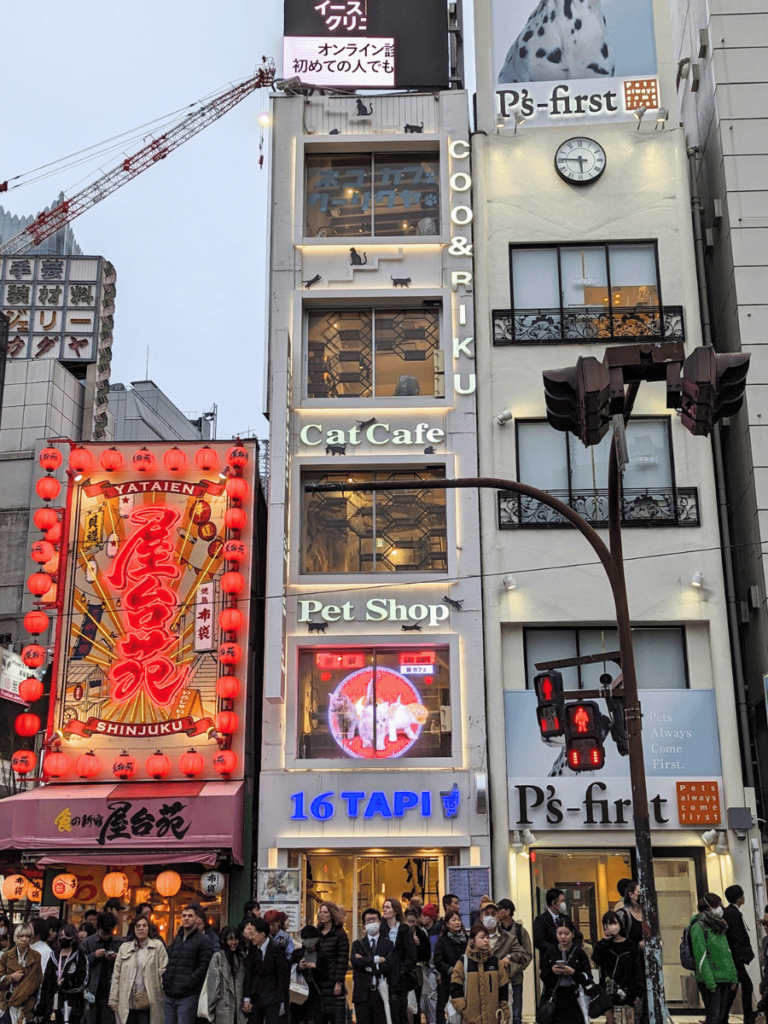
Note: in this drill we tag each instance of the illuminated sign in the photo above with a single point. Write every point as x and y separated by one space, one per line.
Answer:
336 439
337 661
376 713
377 609
375 804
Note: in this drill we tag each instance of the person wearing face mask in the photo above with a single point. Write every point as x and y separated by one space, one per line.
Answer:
373 960
545 925
20 976
62 995
715 970
510 951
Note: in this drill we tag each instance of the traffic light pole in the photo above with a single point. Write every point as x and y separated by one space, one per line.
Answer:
613 562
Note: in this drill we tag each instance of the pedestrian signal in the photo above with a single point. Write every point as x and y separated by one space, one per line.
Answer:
551 704
583 736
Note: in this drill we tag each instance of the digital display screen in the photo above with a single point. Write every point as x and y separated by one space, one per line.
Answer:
339 661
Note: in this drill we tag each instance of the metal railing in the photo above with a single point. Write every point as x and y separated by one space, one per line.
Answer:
639 507
586 324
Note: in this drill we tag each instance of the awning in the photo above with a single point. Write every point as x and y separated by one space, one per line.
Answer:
126 823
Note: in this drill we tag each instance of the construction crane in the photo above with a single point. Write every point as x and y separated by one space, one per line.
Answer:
158 149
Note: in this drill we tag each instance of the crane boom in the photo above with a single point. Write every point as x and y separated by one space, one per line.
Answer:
158 149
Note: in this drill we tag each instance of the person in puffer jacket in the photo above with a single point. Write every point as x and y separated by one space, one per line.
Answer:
715 970
483 993
188 958
621 966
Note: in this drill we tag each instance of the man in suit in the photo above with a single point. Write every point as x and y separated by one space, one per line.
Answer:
265 985
741 950
373 958
545 925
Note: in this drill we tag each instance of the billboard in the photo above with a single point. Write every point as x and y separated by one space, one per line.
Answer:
574 61
367 44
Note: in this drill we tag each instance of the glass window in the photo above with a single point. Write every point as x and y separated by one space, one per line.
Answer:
377 532
374 703
633 275
584 277
542 457
356 353
535 279
378 194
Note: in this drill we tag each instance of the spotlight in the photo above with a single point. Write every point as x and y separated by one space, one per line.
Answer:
697 579
662 117
500 122
721 846
640 114
264 119
517 843
509 581
504 417
710 837
519 119
528 837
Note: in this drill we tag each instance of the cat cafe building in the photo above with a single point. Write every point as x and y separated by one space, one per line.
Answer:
373 774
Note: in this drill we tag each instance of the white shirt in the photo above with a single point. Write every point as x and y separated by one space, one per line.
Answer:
44 950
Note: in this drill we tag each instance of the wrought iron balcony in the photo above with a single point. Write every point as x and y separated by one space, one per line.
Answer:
639 507
586 324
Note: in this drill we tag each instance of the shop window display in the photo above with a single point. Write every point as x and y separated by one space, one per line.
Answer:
374 703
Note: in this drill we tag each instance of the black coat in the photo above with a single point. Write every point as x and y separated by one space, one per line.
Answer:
332 959
545 932
73 986
188 960
449 949
312 1007
364 969
567 1008
403 977
623 962
738 936
266 975
424 948
98 966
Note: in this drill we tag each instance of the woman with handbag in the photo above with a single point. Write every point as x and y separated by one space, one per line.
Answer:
20 977
716 973
224 981
565 971
62 995
136 995
402 979
621 967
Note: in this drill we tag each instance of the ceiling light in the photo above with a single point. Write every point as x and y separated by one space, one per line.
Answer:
721 846
697 579
709 837
528 837
500 122
517 842
509 581
640 114
662 116
519 119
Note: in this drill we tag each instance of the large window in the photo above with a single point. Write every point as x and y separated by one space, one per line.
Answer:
376 532
372 353
660 657
379 194
374 702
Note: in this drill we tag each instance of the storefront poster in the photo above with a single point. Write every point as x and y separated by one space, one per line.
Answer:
279 885
469 884
13 671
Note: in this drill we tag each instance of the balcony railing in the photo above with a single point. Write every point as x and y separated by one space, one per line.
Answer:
586 324
639 507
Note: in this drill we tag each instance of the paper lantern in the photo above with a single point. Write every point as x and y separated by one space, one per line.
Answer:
191 763
33 656
111 460
143 461
23 761
215 548
42 551
115 884
227 722
236 488
87 765
48 488
235 518
206 531
124 767
39 583
175 460
15 887
234 551
227 687
168 883
80 460
237 456
212 883
55 764
35 890
201 512
232 582
50 459
27 724
64 886
158 765
45 518
230 653
30 690
231 619
35 622
54 534
52 565
206 458
225 762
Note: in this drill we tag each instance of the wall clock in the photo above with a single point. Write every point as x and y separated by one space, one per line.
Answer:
580 161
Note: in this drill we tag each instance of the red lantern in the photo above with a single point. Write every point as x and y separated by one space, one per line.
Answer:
175 460
80 460
236 488
23 761
225 762
230 653
27 725
111 460
124 767
191 763
206 458
48 488
234 551
42 551
35 622
231 619
45 518
235 518
228 687
87 765
52 566
56 764
237 456
215 547
54 534
158 765
33 656
30 690
227 722
78 692
201 512
39 583
232 582
206 531
50 459
144 460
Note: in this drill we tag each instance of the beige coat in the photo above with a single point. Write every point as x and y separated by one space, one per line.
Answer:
224 993
125 974
24 994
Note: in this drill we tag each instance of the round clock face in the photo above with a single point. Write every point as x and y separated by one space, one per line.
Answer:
580 161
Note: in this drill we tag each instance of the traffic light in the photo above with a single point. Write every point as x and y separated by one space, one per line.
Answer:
579 399
712 387
617 719
584 736
551 709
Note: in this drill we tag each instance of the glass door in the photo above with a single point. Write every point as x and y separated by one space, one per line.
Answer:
676 889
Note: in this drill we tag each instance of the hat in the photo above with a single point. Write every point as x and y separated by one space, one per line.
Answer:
430 910
486 903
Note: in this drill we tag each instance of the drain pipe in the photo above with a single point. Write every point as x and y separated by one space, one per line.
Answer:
722 500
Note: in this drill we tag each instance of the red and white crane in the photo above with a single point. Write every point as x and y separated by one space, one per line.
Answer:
158 149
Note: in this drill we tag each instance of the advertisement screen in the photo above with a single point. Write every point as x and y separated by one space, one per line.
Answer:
567 61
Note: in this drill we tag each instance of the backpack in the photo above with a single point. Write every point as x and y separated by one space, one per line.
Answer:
687 959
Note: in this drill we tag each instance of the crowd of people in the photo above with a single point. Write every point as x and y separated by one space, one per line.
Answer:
410 961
